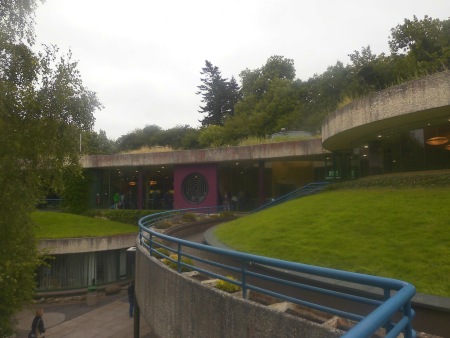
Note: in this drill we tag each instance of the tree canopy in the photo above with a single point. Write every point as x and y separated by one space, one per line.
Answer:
270 97
44 107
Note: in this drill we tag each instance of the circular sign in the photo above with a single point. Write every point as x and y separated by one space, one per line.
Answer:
194 188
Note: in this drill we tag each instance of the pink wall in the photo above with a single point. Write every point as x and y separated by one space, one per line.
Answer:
209 172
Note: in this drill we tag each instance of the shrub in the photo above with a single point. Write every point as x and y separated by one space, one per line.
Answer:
226 214
164 224
174 265
189 217
228 286
127 216
430 179
160 252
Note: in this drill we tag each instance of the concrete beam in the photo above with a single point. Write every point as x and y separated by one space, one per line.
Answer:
272 151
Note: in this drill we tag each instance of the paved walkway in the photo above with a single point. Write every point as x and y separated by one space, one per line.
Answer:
109 318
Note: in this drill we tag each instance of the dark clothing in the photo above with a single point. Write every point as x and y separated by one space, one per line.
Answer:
38 323
131 298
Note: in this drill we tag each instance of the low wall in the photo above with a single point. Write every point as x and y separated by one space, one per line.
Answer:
175 305
87 244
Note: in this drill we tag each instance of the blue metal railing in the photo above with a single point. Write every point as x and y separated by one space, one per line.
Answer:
396 302
308 189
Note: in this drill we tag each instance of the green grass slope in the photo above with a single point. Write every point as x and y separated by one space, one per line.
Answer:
63 225
398 233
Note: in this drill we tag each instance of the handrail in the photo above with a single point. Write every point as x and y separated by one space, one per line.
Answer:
306 190
398 304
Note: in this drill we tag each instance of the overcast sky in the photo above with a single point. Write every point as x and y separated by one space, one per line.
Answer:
143 58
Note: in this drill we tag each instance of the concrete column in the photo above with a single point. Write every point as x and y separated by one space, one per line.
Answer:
375 158
261 187
140 189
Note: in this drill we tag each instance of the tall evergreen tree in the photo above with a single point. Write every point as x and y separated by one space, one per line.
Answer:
218 94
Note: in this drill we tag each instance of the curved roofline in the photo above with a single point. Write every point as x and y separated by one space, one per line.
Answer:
408 106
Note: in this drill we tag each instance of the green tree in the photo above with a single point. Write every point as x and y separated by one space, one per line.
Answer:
211 136
132 140
421 47
269 100
43 108
218 94
93 143
174 137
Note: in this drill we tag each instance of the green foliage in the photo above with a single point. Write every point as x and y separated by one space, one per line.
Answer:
189 217
269 99
226 214
43 108
129 216
422 44
211 137
218 94
428 180
93 143
178 137
163 224
228 286
160 252
76 191
173 262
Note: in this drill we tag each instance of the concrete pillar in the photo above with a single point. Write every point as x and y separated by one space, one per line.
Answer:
261 187
140 189
375 158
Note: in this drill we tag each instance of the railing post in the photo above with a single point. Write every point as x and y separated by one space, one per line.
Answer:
150 244
388 325
244 279
179 258
408 313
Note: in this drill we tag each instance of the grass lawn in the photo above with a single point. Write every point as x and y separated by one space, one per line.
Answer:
398 233
64 225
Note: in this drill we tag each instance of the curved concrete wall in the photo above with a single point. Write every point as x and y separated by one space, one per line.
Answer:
401 106
175 305
87 244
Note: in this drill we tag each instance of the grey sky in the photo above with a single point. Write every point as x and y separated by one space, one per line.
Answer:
143 58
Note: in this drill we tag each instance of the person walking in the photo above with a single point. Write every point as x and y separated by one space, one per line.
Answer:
37 326
131 298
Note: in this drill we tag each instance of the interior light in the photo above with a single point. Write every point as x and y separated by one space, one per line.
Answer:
437 141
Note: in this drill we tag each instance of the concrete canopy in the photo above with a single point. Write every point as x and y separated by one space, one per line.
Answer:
412 105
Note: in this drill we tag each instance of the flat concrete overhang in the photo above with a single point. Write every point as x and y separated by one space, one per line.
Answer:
87 244
306 150
412 105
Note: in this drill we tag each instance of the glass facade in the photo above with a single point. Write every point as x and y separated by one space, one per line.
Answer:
413 150
80 270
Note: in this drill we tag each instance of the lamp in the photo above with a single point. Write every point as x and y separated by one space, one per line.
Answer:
132 183
437 141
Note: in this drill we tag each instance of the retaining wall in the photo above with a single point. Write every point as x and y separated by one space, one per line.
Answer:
175 305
